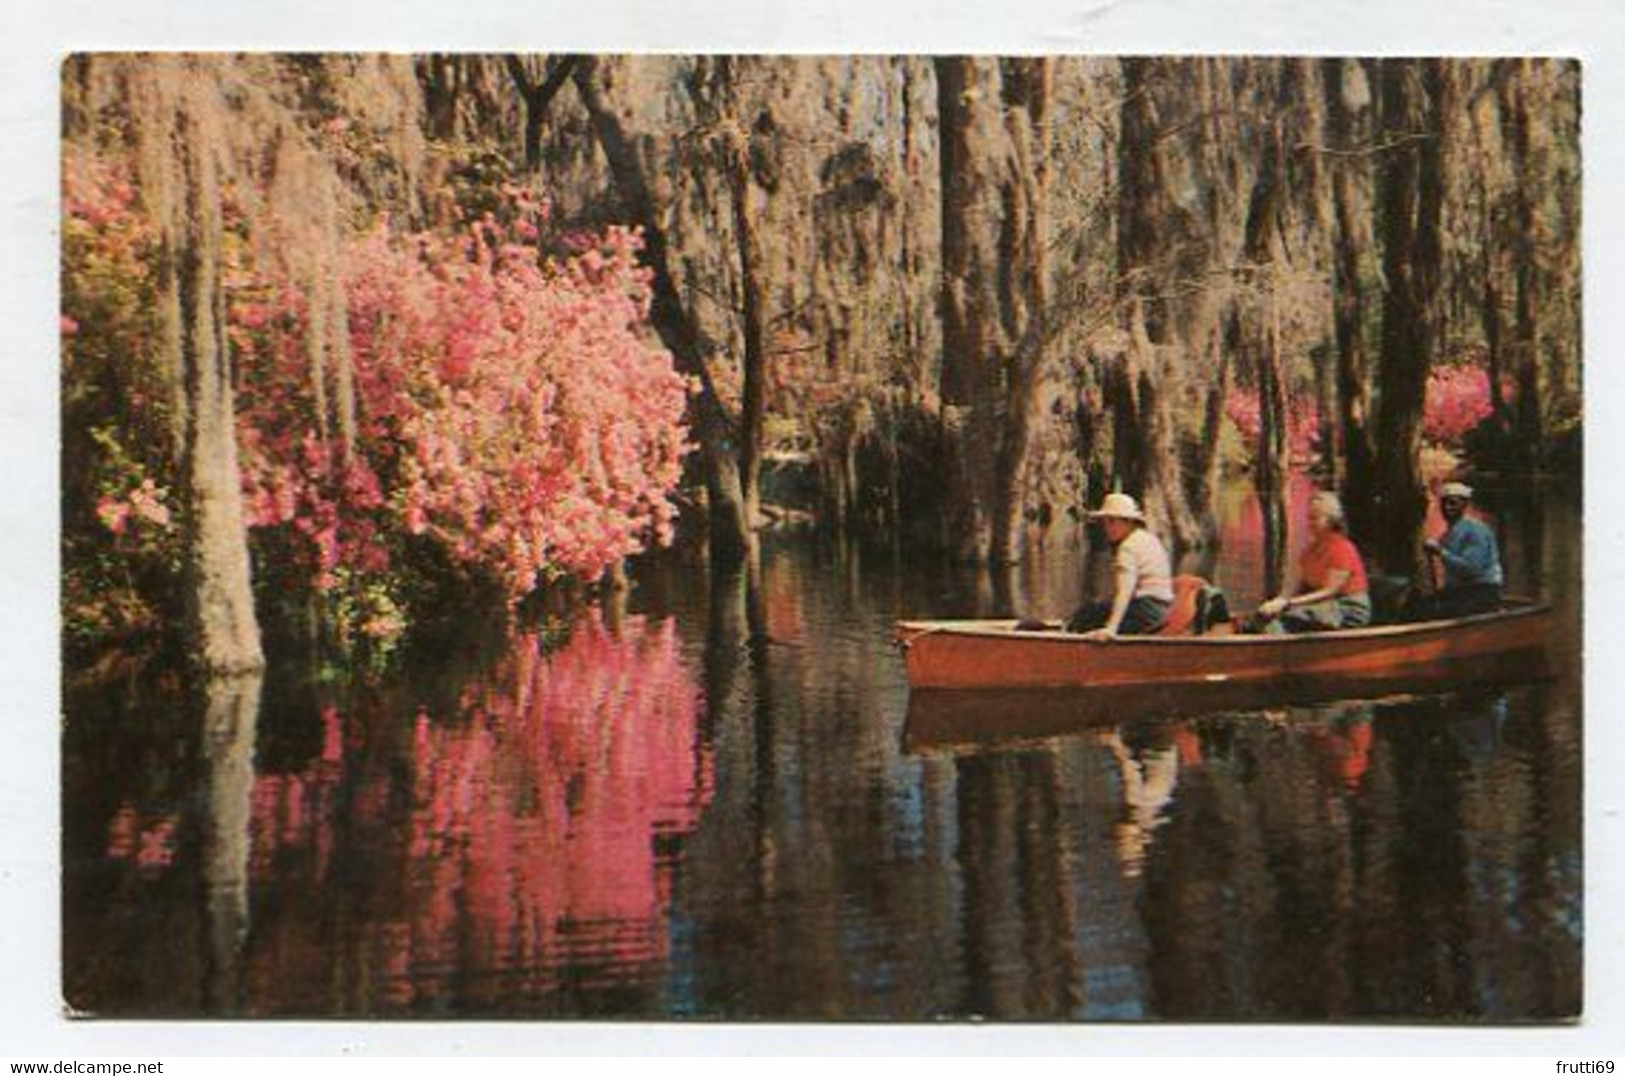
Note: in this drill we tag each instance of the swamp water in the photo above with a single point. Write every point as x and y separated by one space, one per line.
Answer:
705 805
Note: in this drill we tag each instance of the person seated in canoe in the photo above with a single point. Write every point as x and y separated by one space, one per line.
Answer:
1143 587
1331 590
1471 558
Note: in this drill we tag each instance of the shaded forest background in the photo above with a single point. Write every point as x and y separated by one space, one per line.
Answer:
350 341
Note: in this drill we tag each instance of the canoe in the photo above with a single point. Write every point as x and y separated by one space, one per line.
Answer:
963 654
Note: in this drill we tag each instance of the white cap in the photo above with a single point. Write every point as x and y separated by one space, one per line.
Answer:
1456 491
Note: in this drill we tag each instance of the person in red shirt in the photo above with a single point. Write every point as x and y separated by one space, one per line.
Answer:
1331 590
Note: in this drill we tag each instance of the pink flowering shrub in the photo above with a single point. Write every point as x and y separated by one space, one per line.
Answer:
107 323
1458 399
540 428
119 536
512 408
1242 408
143 504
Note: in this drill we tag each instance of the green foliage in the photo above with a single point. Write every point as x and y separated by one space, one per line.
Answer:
121 550
122 567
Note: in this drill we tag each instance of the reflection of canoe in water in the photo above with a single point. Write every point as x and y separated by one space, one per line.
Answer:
958 718
993 654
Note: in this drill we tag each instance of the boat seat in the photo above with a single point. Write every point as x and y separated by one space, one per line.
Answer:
1393 599
1183 615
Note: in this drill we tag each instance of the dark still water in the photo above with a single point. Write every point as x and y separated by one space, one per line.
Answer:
709 805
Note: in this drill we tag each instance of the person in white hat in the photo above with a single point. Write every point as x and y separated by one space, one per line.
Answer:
1472 561
1143 585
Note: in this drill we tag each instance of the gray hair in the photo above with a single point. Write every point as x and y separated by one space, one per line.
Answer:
1331 507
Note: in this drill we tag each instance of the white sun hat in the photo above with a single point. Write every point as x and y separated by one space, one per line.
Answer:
1118 506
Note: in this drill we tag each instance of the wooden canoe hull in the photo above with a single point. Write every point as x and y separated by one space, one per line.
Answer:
992 654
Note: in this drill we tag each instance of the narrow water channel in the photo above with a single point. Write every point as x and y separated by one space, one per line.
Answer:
707 805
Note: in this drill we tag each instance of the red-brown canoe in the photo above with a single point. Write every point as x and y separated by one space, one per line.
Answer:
993 654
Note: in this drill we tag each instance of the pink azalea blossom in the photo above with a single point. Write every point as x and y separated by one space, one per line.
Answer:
113 514
529 422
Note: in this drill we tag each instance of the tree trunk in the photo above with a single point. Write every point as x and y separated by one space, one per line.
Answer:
1411 184
1147 461
1273 462
1208 468
731 535
971 153
437 72
917 282
753 402
1528 427
230 726
1024 289
1350 242
1146 441
1494 338
1267 260
538 98
220 599
754 298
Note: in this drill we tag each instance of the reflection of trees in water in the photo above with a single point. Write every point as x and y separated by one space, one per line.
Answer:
142 927
230 725
1248 867
1018 945
1521 846
1048 923
815 887
534 842
1353 863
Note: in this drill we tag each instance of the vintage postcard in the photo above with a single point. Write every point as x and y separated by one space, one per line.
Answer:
859 538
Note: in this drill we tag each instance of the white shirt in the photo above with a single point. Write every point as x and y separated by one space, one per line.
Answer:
1142 563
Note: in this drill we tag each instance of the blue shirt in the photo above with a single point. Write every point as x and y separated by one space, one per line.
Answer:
1470 555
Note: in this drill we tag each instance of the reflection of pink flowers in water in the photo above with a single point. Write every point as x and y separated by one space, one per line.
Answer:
786 618
148 843
534 812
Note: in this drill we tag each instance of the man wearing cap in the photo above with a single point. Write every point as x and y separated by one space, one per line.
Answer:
1143 578
1471 559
